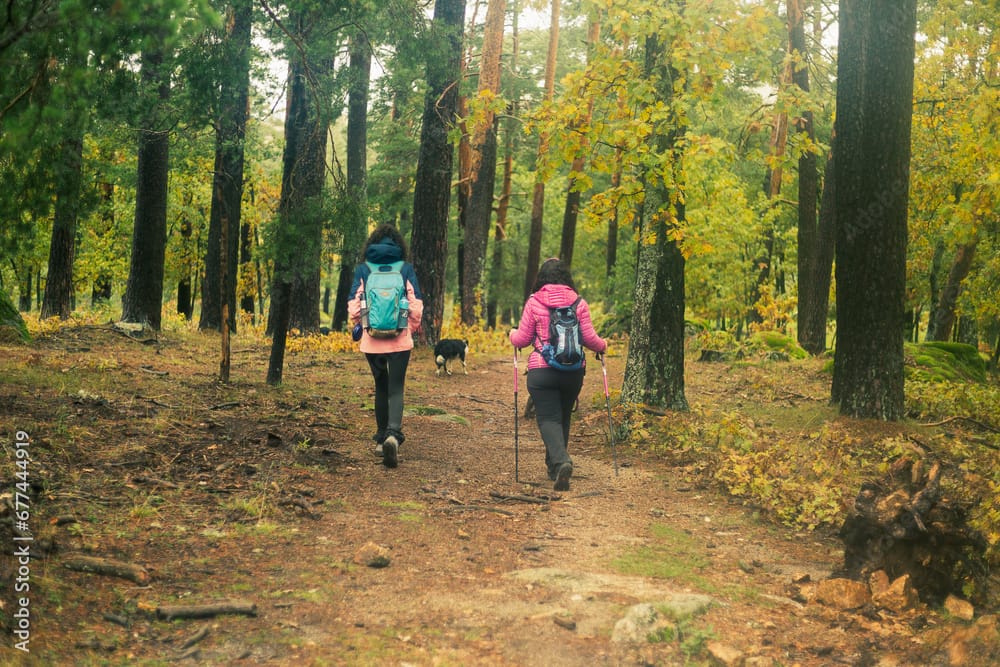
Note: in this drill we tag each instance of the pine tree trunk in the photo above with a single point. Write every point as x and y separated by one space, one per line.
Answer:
101 290
813 304
227 178
432 194
942 319
185 297
503 203
872 158
654 371
303 176
572 210
144 292
58 298
538 196
483 153
357 172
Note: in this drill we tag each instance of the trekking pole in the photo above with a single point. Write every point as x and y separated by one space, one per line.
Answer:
516 480
611 426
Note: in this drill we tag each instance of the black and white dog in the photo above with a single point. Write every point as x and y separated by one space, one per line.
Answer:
450 349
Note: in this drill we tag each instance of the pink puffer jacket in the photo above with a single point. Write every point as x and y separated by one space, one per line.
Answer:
533 328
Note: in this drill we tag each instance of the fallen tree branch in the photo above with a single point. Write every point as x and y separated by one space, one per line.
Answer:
238 607
194 639
477 508
155 481
948 420
108 567
518 497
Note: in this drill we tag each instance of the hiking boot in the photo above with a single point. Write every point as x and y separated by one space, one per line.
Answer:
378 450
562 477
390 452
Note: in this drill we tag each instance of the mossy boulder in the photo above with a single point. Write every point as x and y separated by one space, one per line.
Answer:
12 327
775 345
944 361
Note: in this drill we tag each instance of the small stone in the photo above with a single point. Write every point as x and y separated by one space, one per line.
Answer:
372 555
843 593
959 608
899 597
878 582
723 654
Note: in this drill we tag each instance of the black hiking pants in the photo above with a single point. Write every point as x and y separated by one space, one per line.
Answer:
554 393
389 371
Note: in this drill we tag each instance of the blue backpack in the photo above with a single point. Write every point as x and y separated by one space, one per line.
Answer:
385 294
564 349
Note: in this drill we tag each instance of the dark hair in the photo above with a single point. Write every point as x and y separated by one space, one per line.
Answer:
553 271
386 230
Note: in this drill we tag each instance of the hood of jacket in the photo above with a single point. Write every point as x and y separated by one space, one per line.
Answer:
384 252
555 296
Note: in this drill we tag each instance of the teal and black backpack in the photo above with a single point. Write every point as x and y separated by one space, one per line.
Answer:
385 289
564 349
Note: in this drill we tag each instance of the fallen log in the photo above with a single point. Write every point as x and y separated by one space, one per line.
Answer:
903 524
237 607
108 567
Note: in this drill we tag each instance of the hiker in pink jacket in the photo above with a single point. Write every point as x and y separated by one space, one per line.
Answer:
554 391
388 358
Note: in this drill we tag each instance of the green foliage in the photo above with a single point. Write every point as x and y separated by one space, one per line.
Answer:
11 324
774 345
939 361
761 345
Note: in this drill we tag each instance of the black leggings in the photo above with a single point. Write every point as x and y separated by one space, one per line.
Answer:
389 371
554 392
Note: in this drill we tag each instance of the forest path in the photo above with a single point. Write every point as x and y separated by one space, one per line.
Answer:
273 495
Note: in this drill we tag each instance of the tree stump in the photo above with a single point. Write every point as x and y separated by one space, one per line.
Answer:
903 524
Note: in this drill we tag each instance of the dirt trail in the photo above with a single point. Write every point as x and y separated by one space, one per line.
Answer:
272 498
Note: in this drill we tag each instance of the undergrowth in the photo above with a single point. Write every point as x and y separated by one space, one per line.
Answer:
806 472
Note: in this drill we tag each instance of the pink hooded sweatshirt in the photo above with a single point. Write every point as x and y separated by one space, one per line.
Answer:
386 252
533 328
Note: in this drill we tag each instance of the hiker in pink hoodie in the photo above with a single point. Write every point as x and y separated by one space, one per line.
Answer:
554 391
388 358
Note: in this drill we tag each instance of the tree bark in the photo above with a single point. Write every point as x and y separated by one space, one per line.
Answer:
303 173
872 159
812 305
942 319
303 176
101 290
432 194
538 196
227 178
185 297
357 173
483 153
572 210
813 320
654 371
143 297
58 300
503 202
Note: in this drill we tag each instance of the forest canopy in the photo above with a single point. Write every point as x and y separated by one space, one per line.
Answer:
131 138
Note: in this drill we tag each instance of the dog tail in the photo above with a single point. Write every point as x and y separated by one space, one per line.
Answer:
440 360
